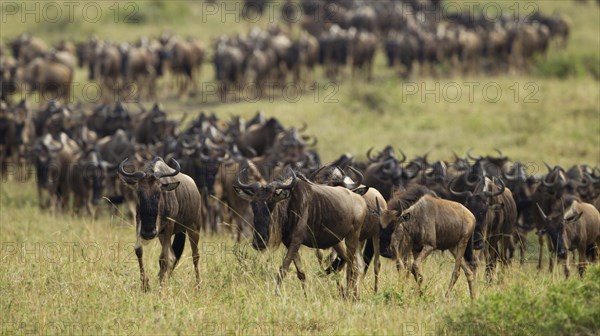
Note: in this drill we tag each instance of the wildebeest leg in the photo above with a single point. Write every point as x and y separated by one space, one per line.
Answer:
352 268
376 262
341 251
582 261
416 266
300 272
166 260
459 261
139 253
194 237
290 255
541 241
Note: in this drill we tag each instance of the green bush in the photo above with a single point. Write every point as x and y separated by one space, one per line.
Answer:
562 65
565 308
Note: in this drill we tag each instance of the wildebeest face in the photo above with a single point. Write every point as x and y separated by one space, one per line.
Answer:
554 227
151 196
263 204
390 220
479 208
151 205
263 200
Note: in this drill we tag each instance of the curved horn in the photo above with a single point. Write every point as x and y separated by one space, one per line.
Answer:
403 156
280 185
548 167
176 166
465 194
472 183
517 168
304 127
369 155
136 175
547 183
248 187
499 153
359 178
316 172
471 156
497 193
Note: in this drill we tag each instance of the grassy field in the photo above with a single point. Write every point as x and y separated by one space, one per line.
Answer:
74 275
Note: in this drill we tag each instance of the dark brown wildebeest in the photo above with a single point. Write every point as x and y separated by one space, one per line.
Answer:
87 180
168 204
434 224
297 212
495 212
577 228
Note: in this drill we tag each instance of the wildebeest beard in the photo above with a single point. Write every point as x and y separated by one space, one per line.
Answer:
268 219
149 208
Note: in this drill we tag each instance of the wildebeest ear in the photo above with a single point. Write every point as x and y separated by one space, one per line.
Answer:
243 193
574 218
282 194
169 186
360 190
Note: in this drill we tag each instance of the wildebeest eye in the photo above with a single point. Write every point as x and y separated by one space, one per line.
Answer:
405 216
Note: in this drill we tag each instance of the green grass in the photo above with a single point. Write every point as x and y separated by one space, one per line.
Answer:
71 272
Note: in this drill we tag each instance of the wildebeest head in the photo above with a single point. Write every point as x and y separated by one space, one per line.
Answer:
150 191
479 202
263 200
94 172
555 228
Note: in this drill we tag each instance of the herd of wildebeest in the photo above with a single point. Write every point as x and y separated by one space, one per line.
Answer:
257 178
335 34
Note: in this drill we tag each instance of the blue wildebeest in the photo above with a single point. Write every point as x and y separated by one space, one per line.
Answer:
434 224
297 212
168 203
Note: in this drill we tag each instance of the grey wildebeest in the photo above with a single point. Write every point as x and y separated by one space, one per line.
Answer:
297 212
168 203
434 224
576 228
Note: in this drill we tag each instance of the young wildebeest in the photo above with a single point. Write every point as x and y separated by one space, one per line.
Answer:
434 224
168 203
577 228
297 212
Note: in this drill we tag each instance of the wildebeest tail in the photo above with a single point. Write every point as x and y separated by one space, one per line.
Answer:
469 257
178 245
591 252
368 253
336 265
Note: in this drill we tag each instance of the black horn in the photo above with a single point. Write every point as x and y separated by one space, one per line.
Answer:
136 175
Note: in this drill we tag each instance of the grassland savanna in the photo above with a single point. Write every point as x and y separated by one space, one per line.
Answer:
75 275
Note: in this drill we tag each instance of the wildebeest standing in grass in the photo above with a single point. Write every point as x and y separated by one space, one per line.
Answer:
435 224
168 203
297 212
577 228
334 176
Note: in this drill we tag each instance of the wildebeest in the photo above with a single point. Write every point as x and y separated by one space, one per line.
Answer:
168 204
496 214
435 224
576 228
297 212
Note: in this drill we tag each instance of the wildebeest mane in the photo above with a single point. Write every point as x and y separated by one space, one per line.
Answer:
404 198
